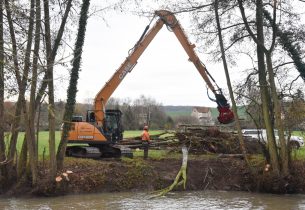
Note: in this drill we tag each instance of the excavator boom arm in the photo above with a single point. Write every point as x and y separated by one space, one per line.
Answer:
104 94
167 18
170 20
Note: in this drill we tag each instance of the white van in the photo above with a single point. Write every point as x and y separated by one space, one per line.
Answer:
261 134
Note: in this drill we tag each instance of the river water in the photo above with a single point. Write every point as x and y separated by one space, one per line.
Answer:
176 201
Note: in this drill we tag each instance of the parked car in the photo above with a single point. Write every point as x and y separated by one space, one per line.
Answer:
261 134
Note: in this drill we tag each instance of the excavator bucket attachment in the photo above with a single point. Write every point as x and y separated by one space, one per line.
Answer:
225 115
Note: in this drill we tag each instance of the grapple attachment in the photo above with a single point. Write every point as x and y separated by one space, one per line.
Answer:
225 114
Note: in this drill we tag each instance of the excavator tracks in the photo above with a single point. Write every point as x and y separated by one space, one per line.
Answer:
99 152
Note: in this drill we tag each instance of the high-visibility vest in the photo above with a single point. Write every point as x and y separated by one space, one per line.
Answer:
145 136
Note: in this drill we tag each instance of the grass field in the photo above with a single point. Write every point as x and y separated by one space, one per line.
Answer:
300 153
299 133
43 140
43 144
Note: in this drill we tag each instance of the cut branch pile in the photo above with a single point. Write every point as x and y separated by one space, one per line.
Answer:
199 140
212 140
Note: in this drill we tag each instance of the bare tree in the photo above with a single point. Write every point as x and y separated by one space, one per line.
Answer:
22 83
50 77
26 60
72 89
2 120
229 85
262 51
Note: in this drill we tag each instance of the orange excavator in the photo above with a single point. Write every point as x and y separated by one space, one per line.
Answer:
102 128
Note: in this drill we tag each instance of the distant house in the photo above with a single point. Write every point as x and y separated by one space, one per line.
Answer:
203 114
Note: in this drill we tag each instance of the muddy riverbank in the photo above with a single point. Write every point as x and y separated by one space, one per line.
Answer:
93 176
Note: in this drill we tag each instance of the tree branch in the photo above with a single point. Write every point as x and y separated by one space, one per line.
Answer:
235 41
242 11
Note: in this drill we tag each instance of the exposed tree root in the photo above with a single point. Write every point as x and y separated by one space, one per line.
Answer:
180 178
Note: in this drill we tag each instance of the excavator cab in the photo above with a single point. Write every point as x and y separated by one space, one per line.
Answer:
113 129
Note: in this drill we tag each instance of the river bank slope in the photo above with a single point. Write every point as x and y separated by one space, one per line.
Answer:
203 173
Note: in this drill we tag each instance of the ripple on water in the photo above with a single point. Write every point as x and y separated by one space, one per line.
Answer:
208 200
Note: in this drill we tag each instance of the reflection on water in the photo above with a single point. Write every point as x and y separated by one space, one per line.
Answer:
178 200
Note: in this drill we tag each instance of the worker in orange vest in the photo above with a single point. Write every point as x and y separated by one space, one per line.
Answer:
145 141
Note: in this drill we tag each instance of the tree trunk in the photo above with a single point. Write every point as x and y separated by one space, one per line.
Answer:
30 115
29 131
22 161
2 142
22 83
37 129
56 44
234 107
279 123
18 108
265 97
50 65
32 109
72 89
30 119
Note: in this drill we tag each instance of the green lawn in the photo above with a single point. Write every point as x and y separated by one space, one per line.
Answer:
299 133
155 154
298 154
43 143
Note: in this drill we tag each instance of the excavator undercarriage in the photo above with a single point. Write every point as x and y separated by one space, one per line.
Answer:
99 151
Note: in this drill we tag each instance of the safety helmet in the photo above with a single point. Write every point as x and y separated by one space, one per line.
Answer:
145 127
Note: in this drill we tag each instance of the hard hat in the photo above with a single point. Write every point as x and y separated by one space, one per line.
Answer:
145 127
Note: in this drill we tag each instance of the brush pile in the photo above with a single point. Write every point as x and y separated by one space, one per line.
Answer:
199 140
204 140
